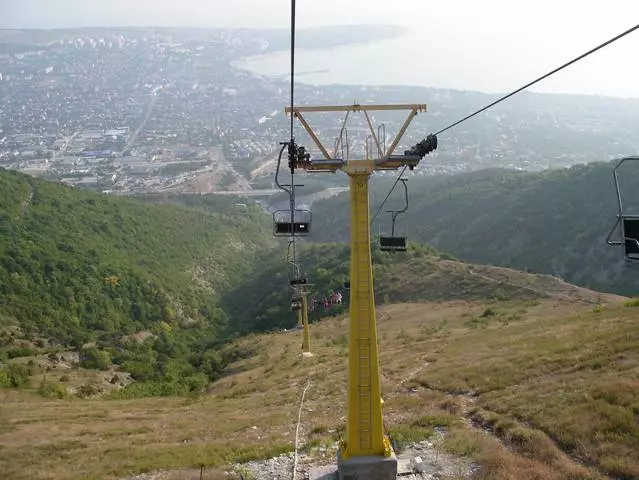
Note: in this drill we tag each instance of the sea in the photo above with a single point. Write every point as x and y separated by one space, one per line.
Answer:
423 58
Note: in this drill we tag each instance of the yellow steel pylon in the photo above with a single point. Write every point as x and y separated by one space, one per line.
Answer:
364 429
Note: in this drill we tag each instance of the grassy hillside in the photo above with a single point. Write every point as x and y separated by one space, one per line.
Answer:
546 366
261 303
154 287
552 222
541 388
78 267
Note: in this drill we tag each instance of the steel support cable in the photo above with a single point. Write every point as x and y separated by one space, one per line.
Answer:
543 77
292 65
388 194
292 202
514 92
292 131
291 194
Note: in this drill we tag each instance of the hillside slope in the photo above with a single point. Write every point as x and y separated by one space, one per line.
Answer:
553 380
422 274
72 260
78 267
552 222
155 287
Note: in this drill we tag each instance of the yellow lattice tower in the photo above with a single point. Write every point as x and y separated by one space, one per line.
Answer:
364 430
302 320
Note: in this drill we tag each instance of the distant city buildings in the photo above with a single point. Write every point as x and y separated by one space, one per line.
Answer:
143 111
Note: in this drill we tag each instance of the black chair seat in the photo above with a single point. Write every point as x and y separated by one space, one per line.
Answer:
392 244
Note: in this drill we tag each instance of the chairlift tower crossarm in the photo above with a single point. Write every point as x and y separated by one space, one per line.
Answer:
413 109
364 430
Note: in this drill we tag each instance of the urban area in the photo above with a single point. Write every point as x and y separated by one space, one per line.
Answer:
136 111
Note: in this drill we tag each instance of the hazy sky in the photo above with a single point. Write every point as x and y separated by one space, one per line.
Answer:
513 39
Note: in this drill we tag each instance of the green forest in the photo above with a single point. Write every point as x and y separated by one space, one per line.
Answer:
80 268
418 275
162 285
553 222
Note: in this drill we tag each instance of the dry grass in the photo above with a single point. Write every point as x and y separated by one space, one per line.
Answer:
548 366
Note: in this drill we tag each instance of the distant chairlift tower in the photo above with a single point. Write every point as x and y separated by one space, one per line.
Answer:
366 451
299 304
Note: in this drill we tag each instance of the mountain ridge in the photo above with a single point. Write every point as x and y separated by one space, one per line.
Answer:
554 222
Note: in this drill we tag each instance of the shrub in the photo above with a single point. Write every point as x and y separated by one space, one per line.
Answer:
87 390
94 358
489 312
52 390
15 375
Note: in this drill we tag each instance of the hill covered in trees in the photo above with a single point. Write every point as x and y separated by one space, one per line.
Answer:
552 222
80 268
422 274
159 287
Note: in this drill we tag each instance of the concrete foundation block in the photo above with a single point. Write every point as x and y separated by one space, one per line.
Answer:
367 468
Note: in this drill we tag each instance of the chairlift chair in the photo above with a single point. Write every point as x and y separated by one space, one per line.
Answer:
285 226
296 279
628 224
394 243
300 281
296 303
291 221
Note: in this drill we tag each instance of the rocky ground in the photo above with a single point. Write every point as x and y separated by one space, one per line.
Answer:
423 460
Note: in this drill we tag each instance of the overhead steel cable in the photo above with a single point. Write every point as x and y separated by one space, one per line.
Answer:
292 65
514 92
388 194
292 136
543 77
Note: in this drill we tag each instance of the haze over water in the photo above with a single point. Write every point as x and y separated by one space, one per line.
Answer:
417 58
491 46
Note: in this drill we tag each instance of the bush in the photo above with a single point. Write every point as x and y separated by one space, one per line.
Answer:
4 379
632 303
87 390
15 375
52 390
489 312
94 358
20 351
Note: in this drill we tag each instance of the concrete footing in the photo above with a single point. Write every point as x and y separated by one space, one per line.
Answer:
367 468
307 354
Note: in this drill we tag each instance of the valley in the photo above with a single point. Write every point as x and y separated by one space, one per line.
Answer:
495 370
146 324
553 222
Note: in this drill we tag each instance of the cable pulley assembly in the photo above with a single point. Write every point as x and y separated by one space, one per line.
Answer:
423 148
298 157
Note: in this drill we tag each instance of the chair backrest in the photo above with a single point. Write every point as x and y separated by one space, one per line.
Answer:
392 244
282 225
631 236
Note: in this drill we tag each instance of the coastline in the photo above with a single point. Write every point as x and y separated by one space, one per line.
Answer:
400 31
